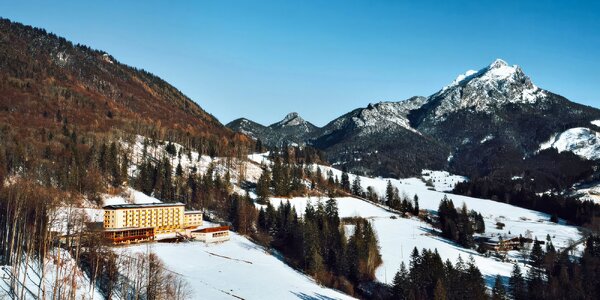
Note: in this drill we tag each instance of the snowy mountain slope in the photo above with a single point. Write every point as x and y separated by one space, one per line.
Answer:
191 161
237 268
378 140
376 117
581 141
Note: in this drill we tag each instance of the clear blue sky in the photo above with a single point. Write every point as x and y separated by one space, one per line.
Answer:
263 59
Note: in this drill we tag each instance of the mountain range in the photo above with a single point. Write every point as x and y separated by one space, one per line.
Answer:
484 123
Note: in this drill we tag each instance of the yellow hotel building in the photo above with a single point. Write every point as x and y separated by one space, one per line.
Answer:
163 217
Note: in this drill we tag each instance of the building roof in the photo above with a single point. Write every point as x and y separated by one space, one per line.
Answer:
192 212
143 205
212 229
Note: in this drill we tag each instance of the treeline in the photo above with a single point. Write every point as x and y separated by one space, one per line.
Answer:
428 277
522 194
288 179
557 275
459 225
337 260
304 155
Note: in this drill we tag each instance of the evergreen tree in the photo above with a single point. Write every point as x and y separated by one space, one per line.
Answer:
416 204
516 283
356 187
179 170
401 284
498 292
440 291
262 187
345 183
389 193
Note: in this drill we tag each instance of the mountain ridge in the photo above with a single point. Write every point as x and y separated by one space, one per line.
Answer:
472 126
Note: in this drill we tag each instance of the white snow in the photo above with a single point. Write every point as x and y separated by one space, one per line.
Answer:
236 268
486 138
129 196
442 180
582 141
596 122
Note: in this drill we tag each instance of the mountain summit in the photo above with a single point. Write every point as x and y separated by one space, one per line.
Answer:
291 119
495 85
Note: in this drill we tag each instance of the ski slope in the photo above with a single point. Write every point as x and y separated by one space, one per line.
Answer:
237 268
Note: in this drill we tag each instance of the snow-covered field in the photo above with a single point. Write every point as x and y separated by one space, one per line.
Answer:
442 181
236 268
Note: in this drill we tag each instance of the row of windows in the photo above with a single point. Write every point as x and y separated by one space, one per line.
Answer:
220 234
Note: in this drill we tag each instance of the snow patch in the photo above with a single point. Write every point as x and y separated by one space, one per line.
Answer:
487 138
582 141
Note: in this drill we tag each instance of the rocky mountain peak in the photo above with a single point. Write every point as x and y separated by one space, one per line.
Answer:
291 119
498 63
497 84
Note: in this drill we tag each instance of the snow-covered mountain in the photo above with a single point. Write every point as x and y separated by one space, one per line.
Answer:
482 122
493 86
500 105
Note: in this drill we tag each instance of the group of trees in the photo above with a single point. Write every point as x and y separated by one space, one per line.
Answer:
557 275
337 260
394 200
459 225
522 194
428 277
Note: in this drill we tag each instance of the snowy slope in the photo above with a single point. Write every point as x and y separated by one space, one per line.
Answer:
398 236
581 141
236 269
60 272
